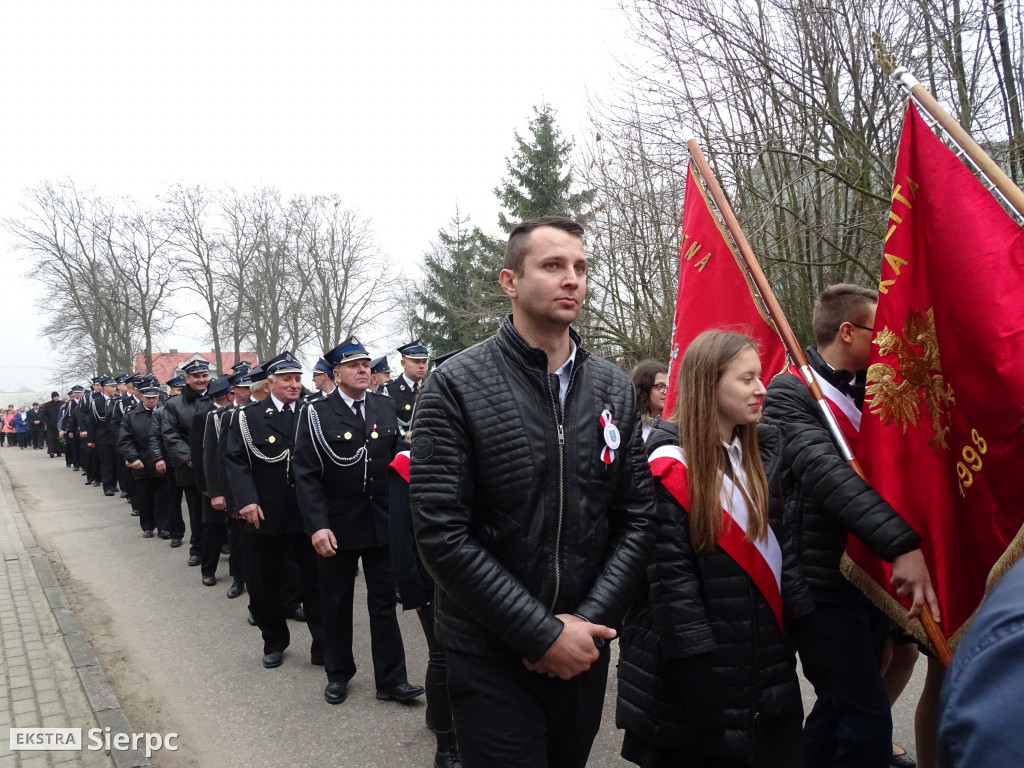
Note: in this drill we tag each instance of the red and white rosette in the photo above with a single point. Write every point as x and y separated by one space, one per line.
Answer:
612 438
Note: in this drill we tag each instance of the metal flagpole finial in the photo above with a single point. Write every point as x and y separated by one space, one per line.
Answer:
903 77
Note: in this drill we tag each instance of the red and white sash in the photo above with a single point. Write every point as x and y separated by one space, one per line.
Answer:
761 559
843 408
401 465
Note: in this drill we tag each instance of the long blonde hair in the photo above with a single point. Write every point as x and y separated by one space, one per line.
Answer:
706 359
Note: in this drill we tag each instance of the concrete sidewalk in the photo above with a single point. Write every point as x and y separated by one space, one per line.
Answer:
51 677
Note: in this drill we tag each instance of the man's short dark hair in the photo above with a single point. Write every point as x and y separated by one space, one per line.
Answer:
838 304
519 239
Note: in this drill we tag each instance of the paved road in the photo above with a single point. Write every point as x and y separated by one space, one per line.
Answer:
181 657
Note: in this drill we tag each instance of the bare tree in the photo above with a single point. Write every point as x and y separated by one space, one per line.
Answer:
632 241
347 283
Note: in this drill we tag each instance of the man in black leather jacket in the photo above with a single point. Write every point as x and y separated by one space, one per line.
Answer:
852 725
533 506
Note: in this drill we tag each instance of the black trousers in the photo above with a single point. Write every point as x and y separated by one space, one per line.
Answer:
215 535
150 496
52 443
851 726
439 708
237 559
71 449
38 438
169 517
125 481
264 577
337 590
108 470
509 717
91 463
194 500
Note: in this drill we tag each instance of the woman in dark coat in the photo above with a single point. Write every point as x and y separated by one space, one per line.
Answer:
707 674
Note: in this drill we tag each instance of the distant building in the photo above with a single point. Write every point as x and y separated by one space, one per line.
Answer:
167 365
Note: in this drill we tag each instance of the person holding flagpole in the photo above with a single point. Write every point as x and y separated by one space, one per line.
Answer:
852 726
706 676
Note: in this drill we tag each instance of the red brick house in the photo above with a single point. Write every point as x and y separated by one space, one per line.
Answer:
167 365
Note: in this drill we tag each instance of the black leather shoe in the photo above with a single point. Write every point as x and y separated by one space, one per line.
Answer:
271 660
194 560
124 494
225 550
250 619
298 614
108 493
97 483
401 692
88 482
209 581
236 589
175 543
135 513
147 534
335 693
163 534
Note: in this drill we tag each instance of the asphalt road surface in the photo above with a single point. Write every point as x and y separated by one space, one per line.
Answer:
182 658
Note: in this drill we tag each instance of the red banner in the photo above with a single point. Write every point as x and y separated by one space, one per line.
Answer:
942 433
714 292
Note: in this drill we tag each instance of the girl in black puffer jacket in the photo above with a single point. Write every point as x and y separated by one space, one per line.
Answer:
707 673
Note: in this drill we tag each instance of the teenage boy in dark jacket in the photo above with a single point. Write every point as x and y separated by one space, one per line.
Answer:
532 505
852 725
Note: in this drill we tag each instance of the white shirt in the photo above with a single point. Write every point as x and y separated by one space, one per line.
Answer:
281 406
348 401
410 381
564 373
735 452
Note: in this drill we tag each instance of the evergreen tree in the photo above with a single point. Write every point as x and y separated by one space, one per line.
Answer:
461 300
539 181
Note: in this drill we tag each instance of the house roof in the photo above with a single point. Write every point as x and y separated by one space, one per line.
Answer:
167 365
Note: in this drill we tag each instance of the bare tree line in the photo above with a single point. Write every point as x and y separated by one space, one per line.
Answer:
801 126
262 272
798 120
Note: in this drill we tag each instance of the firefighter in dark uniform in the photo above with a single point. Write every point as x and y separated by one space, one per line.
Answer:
102 435
90 459
380 373
258 468
403 389
215 530
149 489
343 447
69 428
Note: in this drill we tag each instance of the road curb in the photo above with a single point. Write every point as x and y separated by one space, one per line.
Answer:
102 699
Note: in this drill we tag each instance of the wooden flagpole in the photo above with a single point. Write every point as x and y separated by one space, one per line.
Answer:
931 628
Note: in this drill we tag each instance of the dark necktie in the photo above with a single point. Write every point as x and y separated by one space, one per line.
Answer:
415 387
357 408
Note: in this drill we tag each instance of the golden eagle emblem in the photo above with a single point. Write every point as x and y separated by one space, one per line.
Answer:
920 377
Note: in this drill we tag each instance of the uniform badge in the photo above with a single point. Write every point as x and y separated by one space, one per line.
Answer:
348 435
408 407
271 439
373 432
612 438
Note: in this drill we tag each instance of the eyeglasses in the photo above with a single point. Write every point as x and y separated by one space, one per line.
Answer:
866 328
660 387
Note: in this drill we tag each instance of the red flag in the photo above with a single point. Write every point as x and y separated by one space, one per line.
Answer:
714 292
942 432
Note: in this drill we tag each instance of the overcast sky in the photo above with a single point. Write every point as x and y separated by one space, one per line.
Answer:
404 109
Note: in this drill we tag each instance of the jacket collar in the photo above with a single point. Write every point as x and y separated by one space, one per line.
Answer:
516 347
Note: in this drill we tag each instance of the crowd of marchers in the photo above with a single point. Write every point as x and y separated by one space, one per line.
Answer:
532 503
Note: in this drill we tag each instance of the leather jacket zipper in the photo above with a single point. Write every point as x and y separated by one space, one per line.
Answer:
560 425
